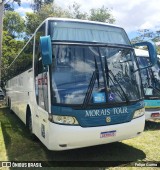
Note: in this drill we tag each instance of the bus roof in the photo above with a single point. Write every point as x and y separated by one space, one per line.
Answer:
79 20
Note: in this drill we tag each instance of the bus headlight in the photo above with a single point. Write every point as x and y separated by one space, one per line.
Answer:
139 113
63 119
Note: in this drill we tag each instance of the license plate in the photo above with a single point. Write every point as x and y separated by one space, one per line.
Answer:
108 134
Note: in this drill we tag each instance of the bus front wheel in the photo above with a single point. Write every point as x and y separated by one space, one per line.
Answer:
30 123
29 126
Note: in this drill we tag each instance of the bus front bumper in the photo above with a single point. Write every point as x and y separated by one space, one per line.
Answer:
152 113
64 137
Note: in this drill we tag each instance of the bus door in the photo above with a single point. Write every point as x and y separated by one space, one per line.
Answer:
41 88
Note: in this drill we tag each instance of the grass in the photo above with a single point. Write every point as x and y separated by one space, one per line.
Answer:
149 141
3 154
17 139
20 147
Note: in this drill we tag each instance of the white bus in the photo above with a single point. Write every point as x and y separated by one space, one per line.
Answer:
151 84
76 84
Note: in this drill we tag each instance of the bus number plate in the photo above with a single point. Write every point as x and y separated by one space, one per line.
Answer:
108 134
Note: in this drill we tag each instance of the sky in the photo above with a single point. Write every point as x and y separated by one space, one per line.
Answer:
132 15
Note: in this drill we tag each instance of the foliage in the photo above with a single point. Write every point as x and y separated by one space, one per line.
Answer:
37 4
8 5
102 14
15 26
10 49
158 50
32 23
143 34
13 23
34 19
76 12
147 34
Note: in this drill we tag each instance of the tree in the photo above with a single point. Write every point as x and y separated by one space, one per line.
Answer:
34 19
147 34
47 10
76 13
37 4
14 24
102 14
32 23
4 5
10 49
8 5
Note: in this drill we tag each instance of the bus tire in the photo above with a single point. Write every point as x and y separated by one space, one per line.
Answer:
9 105
29 124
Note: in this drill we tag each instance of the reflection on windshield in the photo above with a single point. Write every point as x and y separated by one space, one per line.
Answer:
74 67
150 77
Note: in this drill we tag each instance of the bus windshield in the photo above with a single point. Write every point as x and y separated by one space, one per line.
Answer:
87 32
100 74
150 78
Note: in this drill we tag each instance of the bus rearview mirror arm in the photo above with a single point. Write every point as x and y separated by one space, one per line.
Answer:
152 51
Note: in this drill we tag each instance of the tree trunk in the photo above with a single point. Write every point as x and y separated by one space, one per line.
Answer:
1 30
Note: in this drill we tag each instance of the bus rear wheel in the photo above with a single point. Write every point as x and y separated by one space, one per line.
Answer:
9 105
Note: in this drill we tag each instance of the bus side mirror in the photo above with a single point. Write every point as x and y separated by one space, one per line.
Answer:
151 50
46 50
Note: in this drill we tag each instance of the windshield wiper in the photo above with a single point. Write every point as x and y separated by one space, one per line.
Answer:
95 76
97 71
118 91
107 71
126 97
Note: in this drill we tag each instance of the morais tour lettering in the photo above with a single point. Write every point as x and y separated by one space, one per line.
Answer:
106 112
